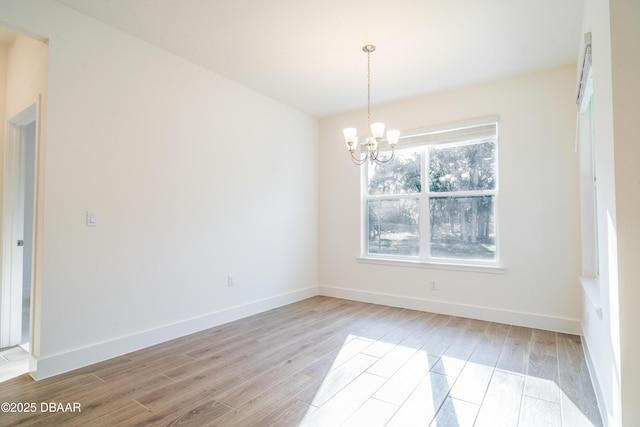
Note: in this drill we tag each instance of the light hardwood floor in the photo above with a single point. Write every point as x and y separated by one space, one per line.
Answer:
329 362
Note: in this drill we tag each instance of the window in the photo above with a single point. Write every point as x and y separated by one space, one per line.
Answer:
435 200
588 181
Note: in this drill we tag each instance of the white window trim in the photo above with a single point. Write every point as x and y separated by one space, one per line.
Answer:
423 261
453 266
585 146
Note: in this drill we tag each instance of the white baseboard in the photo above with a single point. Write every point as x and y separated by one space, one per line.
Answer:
63 362
531 320
602 403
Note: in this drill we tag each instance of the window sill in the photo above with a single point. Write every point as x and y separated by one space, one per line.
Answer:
591 287
476 268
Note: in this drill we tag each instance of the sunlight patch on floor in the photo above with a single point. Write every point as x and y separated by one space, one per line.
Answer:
13 363
372 382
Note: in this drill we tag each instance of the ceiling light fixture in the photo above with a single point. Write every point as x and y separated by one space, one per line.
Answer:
370 148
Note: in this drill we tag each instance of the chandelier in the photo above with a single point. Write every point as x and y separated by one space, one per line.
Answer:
369 150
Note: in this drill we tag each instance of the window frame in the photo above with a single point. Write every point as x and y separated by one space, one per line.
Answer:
424 258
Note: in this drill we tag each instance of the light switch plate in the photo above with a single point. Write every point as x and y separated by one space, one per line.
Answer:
92 219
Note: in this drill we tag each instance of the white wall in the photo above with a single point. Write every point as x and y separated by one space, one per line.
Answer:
4 55
538 206
625 37
26 74
601 333
612 342
193 177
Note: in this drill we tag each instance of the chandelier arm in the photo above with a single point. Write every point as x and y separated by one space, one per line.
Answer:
387 160
358 161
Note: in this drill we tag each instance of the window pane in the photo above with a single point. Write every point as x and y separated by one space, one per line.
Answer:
401 175
462 227
462 167
393 227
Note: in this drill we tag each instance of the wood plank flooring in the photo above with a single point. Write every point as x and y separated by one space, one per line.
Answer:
329 362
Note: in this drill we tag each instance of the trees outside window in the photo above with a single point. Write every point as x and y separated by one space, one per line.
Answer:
435 201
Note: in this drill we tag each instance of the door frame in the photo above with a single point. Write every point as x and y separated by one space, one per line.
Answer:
13 224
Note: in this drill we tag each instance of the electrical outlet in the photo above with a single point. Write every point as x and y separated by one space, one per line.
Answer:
434 285
231 280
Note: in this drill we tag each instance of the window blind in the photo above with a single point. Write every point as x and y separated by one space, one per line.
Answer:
584 84
484 131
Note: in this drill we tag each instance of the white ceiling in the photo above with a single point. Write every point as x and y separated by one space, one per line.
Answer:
307 53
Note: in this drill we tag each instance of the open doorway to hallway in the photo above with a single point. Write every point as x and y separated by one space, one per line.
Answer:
23 93
17 230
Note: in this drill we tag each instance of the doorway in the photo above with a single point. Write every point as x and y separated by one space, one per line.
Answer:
17 230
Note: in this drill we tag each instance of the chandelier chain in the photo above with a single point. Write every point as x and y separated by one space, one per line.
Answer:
369 91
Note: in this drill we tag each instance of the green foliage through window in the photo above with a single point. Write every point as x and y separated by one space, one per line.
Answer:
434 201
399 176
462 167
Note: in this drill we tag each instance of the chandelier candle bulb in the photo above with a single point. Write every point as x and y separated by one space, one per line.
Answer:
372 144
392 137
377 129
351 139
350 135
